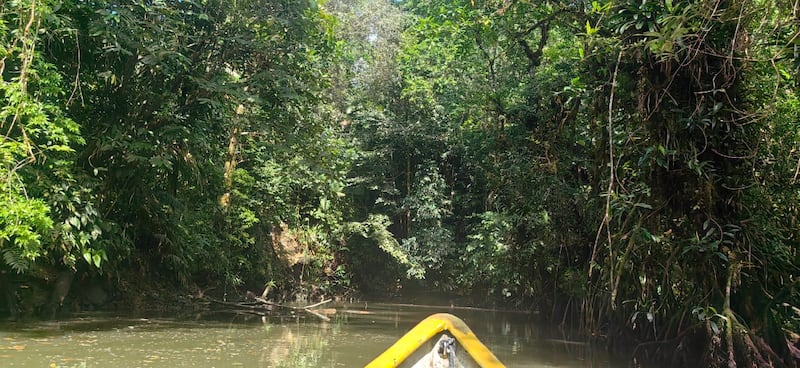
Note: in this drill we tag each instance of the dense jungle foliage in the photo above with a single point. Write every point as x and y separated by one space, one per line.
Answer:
627 167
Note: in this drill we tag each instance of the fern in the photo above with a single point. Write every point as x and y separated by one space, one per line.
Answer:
376 228
14 258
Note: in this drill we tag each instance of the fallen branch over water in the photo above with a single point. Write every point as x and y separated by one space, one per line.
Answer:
455 307
263 307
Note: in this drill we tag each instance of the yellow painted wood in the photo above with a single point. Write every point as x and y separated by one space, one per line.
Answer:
426 330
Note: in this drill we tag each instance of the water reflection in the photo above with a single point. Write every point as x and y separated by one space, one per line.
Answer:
354 336
293 348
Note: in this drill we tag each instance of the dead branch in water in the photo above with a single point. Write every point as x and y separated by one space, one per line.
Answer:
265 307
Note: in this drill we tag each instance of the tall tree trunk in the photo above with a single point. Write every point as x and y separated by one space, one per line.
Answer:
230 164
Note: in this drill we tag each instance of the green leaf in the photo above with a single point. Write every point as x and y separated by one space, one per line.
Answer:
589 29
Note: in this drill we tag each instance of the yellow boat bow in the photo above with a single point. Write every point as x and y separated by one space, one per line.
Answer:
441 340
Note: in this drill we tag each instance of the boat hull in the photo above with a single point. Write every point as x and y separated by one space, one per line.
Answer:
441 340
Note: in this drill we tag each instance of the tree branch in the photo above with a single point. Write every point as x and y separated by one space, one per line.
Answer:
535 57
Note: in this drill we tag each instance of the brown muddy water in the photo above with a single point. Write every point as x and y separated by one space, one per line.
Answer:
356 334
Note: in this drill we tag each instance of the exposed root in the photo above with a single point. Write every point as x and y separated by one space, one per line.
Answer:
738 346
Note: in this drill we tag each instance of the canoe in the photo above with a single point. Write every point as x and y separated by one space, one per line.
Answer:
441 340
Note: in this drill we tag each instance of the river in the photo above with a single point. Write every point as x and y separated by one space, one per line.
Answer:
355 335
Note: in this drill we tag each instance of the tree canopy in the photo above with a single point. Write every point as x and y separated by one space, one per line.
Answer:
629 168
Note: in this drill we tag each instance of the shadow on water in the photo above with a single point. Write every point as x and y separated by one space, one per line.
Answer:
354 336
